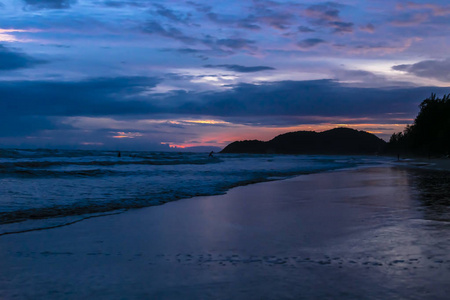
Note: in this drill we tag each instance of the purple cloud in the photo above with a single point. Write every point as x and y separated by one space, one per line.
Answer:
172 15
241 69
327 15
304 29
153 27
438 69
310 43
368 28
236 43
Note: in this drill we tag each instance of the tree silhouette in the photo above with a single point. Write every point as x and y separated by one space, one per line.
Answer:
430 132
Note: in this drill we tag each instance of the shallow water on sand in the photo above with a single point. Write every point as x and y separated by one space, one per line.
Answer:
364 234
57 187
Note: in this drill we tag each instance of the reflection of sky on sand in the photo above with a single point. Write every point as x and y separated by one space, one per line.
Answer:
357 234
371 225
433 188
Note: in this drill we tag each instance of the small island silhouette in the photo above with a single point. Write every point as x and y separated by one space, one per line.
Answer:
335 141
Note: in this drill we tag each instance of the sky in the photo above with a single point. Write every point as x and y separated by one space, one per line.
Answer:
167 75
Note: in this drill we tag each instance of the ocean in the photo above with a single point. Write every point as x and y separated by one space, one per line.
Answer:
44 188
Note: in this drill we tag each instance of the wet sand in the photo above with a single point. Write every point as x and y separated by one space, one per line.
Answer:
441 164
375 233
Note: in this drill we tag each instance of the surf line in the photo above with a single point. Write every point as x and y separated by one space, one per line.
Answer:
60 225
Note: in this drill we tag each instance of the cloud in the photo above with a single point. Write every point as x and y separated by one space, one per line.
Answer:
48 4
261 14
410 19
438 69
217 47
119 4
98 96
324 12
11 59
241 69
236 43
366 79
327 15
200 53
304 29
13 125
200 6
324 98
414 14
171 14
92 109
379 48
153 27
437 10
341 27
280 20
127 96
310 43
245 23
368 28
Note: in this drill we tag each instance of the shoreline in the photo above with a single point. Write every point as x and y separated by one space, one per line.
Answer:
56 222
439 164
315 236
67 220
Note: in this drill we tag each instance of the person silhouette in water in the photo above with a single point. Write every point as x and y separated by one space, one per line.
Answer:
211 154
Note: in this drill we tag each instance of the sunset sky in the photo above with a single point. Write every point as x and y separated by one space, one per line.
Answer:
149 75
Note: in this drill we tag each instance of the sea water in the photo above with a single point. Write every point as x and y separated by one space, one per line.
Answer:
58 186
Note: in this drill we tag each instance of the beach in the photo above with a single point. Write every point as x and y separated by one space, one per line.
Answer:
380 232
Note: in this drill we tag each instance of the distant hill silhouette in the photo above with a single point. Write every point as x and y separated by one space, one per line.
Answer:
334 141
430 132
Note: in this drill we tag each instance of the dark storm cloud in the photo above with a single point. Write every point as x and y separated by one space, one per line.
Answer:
13 125
241 69
48 4
438 69
11 59
96 97
124 96
305 98
29 106
310 43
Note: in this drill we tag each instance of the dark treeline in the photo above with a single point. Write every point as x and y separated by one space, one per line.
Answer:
429 135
